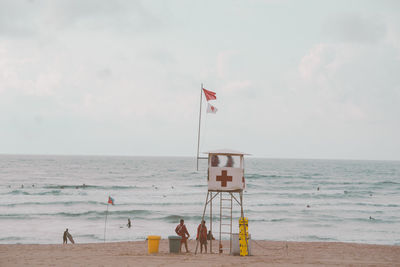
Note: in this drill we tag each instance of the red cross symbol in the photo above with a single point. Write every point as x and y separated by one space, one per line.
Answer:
224 178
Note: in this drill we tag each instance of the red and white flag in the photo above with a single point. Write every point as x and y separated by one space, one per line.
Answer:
209 95
211 109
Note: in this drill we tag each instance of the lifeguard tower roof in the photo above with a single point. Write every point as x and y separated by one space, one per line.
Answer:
226 151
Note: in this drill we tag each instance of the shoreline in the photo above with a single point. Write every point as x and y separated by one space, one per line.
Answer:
264 253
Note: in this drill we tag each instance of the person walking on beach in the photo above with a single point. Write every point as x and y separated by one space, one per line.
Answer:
202 236
129 223
65 240
182 232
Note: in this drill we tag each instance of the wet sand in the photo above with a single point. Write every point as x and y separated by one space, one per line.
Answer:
265 253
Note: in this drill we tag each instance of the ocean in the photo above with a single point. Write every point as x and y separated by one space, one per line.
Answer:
285 199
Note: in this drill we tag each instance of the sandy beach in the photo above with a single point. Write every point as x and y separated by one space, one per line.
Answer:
265 253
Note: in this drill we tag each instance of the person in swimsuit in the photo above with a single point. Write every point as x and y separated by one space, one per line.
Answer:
202 236
182 232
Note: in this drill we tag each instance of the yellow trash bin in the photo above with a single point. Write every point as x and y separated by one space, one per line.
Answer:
153 243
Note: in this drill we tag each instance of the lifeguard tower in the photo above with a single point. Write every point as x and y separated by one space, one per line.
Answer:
225 178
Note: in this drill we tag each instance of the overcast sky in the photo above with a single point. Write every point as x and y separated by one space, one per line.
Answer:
294 79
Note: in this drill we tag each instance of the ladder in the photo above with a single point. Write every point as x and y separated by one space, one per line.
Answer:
225 219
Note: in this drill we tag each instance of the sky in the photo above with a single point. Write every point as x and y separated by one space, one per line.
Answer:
293 79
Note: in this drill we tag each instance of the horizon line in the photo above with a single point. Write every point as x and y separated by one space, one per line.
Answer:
186 156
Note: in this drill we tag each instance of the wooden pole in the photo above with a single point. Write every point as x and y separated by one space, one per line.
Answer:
211 223
220 221
105 223
198 135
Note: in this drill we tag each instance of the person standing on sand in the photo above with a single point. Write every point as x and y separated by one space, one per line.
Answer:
65 240
182 232
202 236
129 223
210 236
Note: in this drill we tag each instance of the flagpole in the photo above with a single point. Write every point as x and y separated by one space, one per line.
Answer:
105 225
198 136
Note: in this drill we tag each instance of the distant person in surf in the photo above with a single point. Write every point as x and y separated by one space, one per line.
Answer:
202 236
214 161
129 223
182 232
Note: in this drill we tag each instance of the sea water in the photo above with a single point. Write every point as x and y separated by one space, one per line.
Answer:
285 199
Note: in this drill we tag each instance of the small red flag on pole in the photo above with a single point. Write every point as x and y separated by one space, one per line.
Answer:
110 200
209 95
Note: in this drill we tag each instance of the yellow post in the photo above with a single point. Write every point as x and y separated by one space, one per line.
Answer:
243 236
